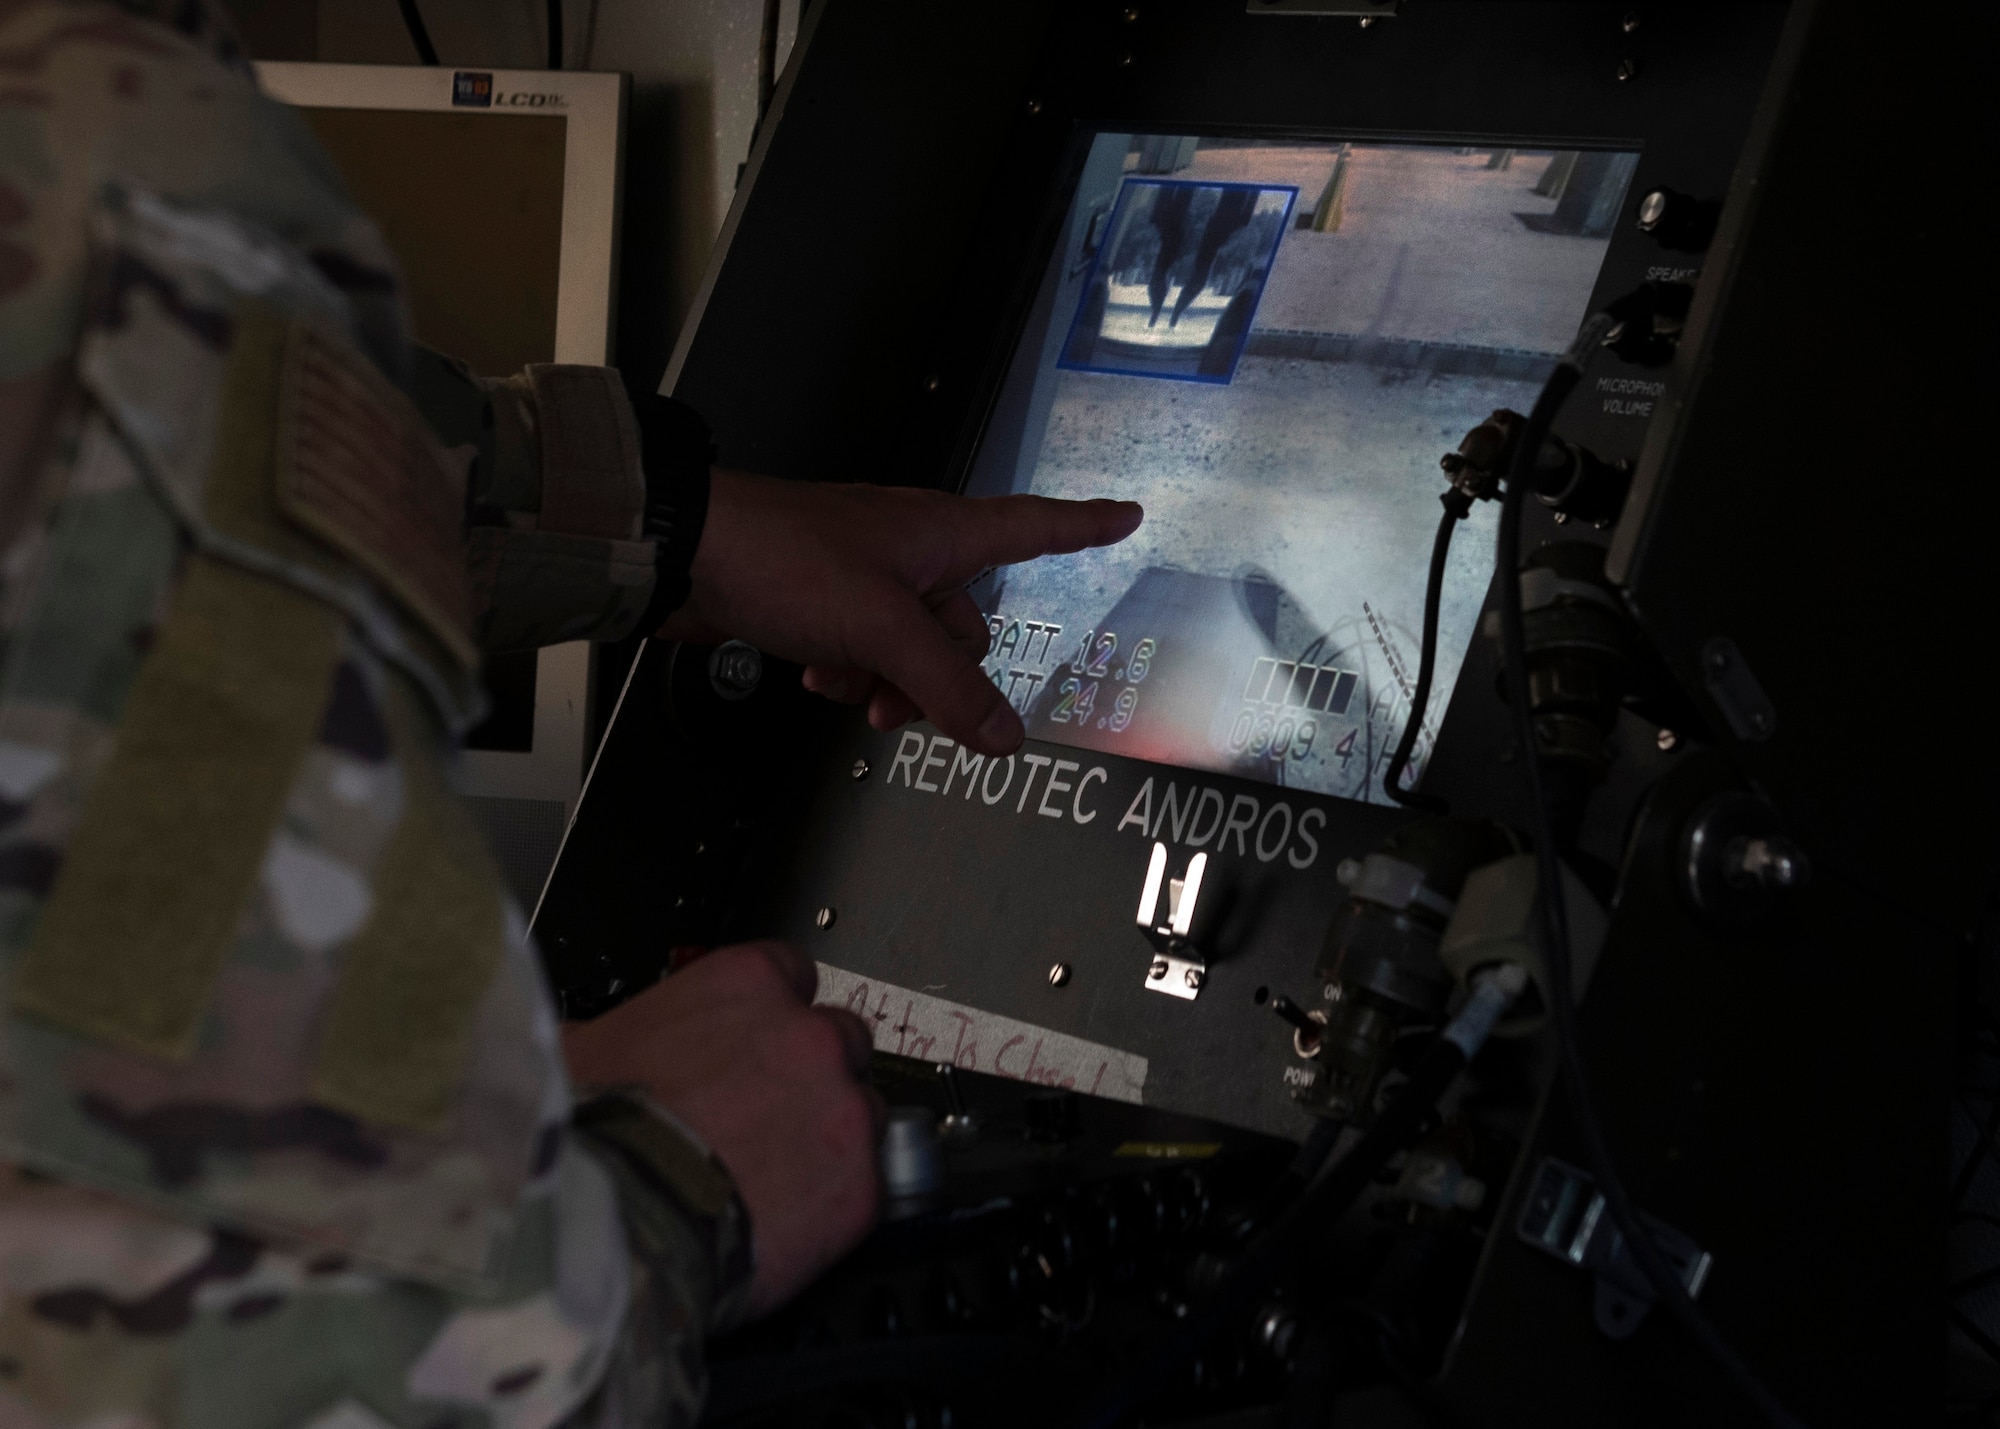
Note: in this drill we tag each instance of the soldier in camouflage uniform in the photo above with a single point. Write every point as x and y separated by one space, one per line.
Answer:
287 1135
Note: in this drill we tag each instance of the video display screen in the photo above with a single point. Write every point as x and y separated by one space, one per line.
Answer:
1270 344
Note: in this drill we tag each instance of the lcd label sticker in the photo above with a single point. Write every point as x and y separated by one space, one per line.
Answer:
1270 344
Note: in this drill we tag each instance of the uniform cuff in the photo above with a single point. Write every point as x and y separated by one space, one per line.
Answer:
655 1151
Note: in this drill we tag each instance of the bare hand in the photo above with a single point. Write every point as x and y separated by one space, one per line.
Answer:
731 1045
865 586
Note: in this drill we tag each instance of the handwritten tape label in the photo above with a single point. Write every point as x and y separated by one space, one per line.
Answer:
934 1029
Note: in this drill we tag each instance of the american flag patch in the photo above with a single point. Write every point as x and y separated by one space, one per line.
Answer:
358 467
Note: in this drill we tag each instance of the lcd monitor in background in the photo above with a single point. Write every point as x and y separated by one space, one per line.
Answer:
1269 344
498 193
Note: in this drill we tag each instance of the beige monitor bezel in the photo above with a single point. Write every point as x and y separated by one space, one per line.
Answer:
594 106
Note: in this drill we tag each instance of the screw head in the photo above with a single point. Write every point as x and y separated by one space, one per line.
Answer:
1275 1330
1131 13
1192 977
1630 22
1034 106
823 919
1158 970
1367 22
1668 741
1628 69
1126 59
1058 974
860 770
932 382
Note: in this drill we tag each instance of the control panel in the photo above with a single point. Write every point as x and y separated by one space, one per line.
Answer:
1272 311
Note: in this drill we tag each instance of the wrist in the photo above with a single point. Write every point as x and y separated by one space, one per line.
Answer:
673 1167
678 452
708 614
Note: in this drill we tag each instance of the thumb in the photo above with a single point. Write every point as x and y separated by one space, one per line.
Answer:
918 656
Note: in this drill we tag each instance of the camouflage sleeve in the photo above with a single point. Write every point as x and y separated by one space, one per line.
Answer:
554 501
691 1250
285 1134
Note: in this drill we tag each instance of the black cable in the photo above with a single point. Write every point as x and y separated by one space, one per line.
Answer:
419 36
1318 1145
555 34
1420 698
1290 1184
1418 1392
1554 916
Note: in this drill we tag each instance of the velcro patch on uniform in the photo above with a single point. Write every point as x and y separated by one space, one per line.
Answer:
358 468
175 827
398 1033
592 484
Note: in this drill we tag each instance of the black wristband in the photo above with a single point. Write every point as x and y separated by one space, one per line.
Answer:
676 451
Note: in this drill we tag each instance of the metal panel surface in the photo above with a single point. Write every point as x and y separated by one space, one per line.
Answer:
975 891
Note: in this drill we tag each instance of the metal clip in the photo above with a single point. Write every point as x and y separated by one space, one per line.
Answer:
1565 1216
1737 695
1177 968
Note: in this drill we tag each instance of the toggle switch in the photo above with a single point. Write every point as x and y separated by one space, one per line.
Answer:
1177 967
1308 1028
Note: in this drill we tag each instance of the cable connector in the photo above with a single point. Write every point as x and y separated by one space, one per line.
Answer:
1475 468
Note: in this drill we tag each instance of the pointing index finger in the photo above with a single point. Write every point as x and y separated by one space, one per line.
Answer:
1006 530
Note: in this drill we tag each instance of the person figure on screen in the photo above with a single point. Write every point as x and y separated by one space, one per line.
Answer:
1232 213
1169 218
1218 359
